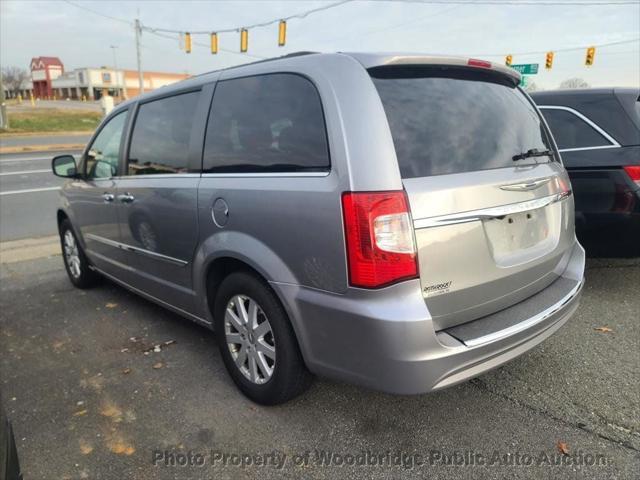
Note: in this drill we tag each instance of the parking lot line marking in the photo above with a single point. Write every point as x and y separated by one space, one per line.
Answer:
25 172
30 190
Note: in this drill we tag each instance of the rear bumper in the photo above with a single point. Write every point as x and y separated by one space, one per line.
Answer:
385 339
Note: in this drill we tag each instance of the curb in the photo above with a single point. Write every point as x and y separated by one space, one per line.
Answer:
29 249
42 148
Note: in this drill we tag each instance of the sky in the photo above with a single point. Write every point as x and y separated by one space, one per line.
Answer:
81 38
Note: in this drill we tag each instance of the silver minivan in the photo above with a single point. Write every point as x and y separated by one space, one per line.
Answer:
403 222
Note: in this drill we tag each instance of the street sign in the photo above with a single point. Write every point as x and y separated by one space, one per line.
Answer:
526 68
524 81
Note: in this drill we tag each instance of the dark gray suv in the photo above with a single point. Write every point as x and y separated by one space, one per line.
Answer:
403 222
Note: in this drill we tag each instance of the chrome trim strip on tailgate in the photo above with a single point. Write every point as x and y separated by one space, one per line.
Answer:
488 213
552 310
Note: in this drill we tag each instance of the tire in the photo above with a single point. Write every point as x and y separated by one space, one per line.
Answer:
75 261
289 376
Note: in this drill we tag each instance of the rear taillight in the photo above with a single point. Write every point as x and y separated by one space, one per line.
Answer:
380 245
634 172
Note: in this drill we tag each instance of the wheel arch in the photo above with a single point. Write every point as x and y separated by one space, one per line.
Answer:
228 252
63 214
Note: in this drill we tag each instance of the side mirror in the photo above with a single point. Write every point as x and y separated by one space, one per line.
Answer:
64 166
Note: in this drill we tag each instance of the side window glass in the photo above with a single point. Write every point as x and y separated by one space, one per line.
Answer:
102 158
570 131
160 138
266 123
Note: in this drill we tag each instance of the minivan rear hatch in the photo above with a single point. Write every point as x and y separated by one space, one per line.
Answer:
490 201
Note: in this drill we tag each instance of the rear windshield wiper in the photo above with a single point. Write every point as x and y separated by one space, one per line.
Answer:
534 152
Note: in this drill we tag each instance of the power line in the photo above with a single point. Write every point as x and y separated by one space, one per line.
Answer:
170 37
158 31
398 25
568 49
255 25
519 2
82 7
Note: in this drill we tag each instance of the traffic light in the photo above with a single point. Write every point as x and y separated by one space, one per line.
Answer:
244 40
282 33
214 43
508 59
548 63
187 42
591 52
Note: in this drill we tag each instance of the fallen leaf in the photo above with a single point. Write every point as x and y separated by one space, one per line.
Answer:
603 329
157 348
158 365
562 448
112 411
85 448
126 371
124 350
169 342
79 413
117 444
111 305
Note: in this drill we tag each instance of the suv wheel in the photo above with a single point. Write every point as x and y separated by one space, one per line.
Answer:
257 342
75 261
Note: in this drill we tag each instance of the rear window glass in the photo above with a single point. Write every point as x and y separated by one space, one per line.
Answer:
570 131
448 120
266 123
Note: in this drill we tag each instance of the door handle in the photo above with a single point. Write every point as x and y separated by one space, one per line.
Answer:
108 197
126 198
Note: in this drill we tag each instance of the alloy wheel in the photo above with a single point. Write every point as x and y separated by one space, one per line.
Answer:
250 339
72 254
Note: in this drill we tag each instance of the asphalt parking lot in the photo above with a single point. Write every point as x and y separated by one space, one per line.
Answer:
90 398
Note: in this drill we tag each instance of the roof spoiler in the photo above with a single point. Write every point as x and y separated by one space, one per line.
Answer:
381 60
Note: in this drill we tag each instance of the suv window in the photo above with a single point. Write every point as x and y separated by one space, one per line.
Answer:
102 156
264 123
450 120
161 134
570 131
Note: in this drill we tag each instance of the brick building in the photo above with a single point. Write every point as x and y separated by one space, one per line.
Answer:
43 71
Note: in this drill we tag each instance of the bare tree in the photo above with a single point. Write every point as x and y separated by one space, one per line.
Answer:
574 83
13 78
532 87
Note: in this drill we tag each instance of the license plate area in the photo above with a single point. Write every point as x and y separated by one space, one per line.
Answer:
517 237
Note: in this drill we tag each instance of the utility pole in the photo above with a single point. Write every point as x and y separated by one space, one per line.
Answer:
140 77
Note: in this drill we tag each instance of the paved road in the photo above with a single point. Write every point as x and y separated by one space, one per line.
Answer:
27 140
28 195
86 402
